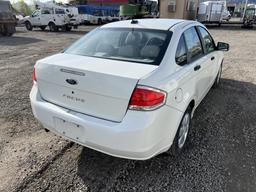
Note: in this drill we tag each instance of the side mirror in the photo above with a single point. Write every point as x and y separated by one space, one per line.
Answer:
223 46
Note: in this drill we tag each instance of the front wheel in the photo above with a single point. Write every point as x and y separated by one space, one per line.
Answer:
28 26
181 137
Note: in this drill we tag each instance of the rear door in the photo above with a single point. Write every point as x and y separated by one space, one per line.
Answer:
45 16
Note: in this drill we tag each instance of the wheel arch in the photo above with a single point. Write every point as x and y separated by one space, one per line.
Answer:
51 22
192 105
27 21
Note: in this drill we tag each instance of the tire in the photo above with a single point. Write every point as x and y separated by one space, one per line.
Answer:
68 28
28 25
52 27
63 28
42 28
9 34
4 34
4 30
182 134
99 22
218 78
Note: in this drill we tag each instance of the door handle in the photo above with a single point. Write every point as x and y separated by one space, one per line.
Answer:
212 58
196 68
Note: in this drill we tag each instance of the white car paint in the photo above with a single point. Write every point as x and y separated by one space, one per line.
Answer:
39 18
100 117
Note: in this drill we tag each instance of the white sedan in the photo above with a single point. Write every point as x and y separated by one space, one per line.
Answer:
129 88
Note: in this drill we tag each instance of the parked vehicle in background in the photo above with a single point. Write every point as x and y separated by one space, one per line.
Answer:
54 16
7 19
19 18
145 9
250 16
226 16
129 88
213 12
91 14
73 14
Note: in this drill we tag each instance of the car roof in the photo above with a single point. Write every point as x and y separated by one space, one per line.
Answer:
160 24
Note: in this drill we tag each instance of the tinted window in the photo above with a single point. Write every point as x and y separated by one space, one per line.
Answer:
127 44
207 40
193 44
59 11
35 13
181 53
45 11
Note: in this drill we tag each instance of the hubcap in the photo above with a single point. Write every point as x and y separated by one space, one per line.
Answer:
183 132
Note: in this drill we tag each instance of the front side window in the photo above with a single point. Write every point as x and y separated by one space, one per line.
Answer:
193 44
59 11
128 44
181 53
207 40
35 13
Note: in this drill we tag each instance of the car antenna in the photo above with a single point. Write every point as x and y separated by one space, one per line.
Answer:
134 21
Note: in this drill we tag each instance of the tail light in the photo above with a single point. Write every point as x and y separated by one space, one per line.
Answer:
146 99
34 74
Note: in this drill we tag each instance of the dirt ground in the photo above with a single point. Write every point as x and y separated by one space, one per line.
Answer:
222 150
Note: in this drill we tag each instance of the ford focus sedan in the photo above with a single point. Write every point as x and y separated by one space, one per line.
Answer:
128 89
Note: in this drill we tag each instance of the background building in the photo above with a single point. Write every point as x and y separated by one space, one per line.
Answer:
180 9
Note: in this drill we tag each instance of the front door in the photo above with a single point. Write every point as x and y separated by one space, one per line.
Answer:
198 61
210 54
35 18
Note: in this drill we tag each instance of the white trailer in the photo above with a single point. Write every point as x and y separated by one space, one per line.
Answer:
212 11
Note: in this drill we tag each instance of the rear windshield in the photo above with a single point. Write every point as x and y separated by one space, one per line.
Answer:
126 44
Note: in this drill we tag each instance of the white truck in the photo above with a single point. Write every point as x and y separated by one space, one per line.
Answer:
75 18
213 12
54 16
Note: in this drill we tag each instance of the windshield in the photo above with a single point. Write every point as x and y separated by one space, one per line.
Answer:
127 44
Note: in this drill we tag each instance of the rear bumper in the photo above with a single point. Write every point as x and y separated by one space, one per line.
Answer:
140 136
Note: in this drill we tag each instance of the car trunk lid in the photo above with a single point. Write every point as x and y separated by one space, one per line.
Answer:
93 86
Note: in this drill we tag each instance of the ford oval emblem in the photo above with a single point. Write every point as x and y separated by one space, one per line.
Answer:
71 81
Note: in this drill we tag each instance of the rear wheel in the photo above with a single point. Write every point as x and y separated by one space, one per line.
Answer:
28 25
8 30
68 28
9 34
52 27
181 137
99 22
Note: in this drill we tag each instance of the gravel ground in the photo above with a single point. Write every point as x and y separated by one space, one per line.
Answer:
220 156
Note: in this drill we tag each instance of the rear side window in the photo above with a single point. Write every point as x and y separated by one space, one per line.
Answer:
181 53
207 40
193 44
